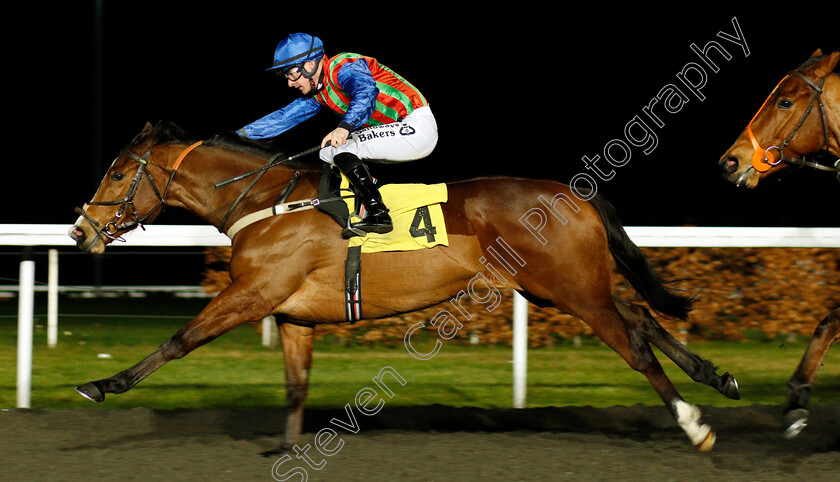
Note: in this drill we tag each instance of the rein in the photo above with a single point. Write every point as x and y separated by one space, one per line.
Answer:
764 159
259 172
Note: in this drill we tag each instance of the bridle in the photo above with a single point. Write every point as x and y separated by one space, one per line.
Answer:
764 159
126 205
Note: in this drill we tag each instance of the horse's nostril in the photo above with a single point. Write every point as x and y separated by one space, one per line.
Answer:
77 235
729 164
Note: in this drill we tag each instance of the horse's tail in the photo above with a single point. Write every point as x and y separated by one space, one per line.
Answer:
633 265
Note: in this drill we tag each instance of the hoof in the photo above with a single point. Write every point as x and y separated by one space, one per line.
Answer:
796 421
91 392
707 444
730 387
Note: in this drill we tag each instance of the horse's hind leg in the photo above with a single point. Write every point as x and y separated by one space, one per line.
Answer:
699 369
297 350
609 326
231 308
799 385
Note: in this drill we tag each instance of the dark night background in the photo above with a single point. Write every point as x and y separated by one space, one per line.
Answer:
524 93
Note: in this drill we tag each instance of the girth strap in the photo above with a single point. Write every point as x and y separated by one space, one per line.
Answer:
353 283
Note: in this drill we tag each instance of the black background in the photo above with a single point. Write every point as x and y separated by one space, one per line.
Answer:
518 92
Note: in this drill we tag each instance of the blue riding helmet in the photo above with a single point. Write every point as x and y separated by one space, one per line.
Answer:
296 49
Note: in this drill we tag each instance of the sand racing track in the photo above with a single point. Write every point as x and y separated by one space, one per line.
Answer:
416 443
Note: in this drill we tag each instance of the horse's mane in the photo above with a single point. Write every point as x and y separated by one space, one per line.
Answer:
170 132
233 141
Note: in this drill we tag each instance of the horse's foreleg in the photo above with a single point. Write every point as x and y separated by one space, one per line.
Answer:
699 369
231 308
297 350
634 348
799 385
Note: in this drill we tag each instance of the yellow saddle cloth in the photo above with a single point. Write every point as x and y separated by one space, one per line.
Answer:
415 213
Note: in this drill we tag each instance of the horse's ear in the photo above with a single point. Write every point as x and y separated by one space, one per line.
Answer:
146 128
835 57
817 53
826 65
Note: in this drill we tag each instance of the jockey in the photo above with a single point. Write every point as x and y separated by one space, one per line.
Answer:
383 117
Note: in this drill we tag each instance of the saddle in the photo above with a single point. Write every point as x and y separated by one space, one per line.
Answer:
414 207
416 214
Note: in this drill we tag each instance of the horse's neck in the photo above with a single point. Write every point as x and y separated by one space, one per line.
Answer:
193 186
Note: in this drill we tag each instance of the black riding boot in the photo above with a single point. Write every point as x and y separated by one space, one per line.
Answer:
376 218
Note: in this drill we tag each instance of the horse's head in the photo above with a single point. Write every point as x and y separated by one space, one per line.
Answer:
128 196
790 125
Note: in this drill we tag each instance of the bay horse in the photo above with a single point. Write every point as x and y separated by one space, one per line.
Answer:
292 265
801 117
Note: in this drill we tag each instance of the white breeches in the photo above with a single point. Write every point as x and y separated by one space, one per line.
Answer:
407 140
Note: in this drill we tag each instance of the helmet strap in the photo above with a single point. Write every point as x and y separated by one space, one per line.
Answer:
310 74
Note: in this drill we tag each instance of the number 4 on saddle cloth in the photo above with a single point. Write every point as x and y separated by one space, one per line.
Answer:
415 213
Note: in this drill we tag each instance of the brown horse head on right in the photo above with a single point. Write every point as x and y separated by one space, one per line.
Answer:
800 117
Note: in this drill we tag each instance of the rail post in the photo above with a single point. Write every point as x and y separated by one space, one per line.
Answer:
26 302
520 350
52 298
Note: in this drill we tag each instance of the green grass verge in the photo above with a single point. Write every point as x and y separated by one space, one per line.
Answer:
236 371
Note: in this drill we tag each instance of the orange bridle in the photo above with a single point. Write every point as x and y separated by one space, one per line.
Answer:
763 159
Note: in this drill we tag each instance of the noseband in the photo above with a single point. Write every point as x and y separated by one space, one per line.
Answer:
764 159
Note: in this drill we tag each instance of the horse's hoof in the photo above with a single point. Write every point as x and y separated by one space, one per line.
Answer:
91 392
708 443
796 421
730 387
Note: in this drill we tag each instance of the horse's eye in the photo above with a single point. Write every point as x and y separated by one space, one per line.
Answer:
117 176
785 104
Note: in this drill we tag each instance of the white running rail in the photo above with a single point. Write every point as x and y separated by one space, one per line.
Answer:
645 236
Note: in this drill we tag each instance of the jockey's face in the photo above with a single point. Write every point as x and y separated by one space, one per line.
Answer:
296 80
